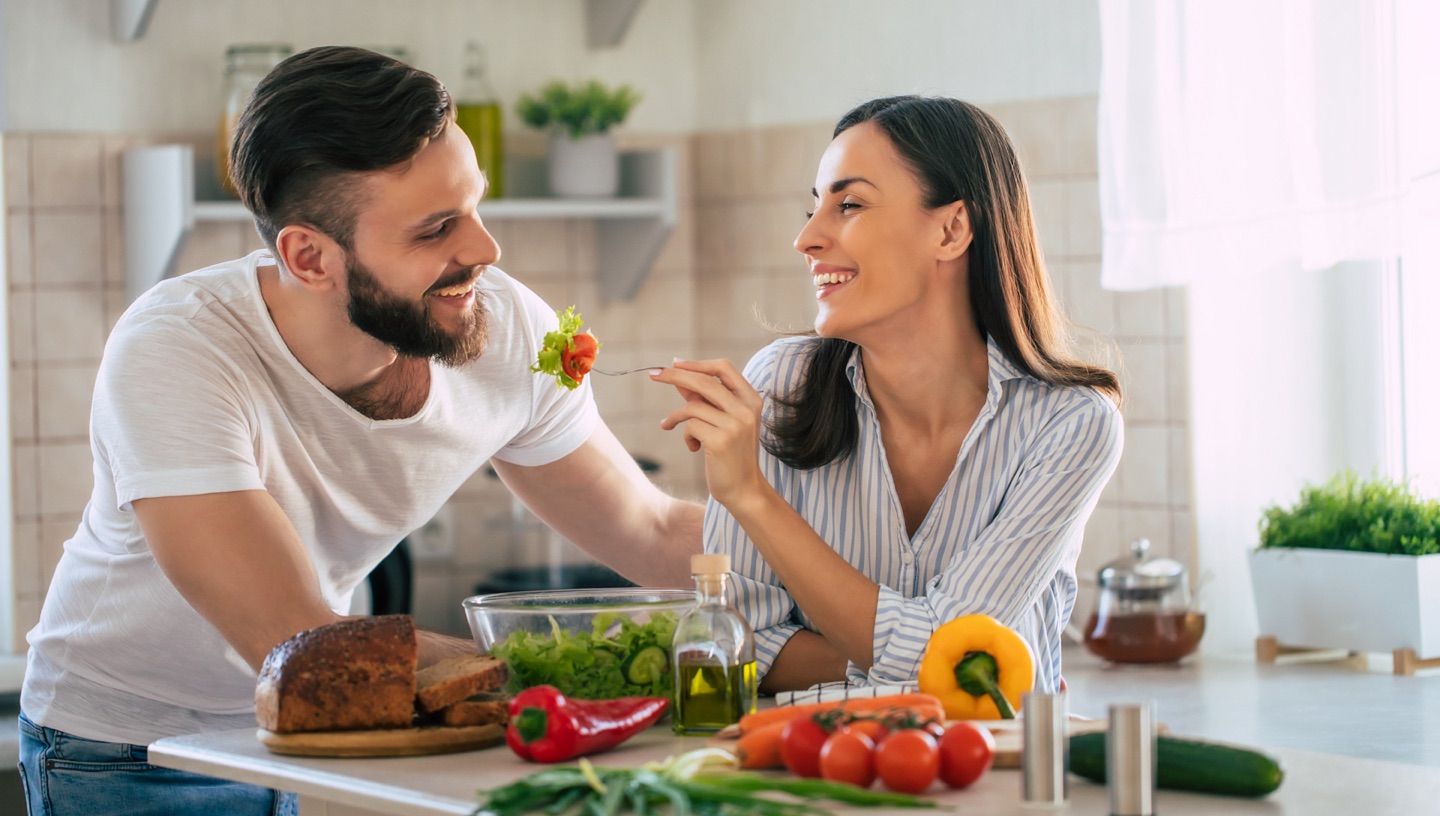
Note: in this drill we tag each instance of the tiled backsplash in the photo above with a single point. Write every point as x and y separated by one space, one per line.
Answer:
727 278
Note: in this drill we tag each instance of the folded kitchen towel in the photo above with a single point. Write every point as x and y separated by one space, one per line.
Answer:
840 690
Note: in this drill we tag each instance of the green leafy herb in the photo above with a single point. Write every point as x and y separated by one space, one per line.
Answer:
552 348
576 110
594 665
1348 513
700 782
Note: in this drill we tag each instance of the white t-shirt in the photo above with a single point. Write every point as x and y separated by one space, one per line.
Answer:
197 393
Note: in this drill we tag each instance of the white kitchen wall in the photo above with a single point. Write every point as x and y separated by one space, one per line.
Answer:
765 63
65 72
708 65
7 511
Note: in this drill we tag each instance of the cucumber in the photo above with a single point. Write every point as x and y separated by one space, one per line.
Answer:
1189 765
647 665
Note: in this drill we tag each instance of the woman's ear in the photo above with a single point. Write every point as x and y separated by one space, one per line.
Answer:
313 258
955 225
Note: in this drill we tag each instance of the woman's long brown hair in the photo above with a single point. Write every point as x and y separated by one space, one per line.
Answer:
959 153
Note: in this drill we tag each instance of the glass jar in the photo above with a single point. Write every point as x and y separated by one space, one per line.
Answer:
245 65
712 655
1143 614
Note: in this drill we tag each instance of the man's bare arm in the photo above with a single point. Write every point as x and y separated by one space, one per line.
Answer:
238 561
598 498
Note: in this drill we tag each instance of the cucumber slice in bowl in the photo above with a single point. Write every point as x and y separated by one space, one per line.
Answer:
647 665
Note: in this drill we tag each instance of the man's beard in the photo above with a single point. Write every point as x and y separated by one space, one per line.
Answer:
407 327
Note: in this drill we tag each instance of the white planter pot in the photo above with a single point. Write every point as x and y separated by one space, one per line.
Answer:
1361 602
588 167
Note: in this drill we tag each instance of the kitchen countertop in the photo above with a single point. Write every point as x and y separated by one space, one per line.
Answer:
1315 784
1333 707
1350 741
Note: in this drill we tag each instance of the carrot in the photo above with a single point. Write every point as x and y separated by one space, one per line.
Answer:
759 748
922 705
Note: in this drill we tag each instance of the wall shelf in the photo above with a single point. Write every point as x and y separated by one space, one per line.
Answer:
161 210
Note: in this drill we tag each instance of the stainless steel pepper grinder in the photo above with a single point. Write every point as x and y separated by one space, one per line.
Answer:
1044 751
1130 759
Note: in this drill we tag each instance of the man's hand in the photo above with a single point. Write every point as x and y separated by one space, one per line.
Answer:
238 561
598 498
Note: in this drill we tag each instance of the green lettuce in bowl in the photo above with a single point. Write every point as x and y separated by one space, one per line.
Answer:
590 644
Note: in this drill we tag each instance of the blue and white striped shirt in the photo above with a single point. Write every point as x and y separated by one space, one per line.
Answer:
1001 538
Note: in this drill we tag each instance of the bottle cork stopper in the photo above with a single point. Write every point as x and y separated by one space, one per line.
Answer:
709 564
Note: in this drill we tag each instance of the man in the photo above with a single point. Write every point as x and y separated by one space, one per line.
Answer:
265 430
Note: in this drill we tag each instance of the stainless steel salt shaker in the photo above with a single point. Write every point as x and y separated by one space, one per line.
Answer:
1130 759
1044 751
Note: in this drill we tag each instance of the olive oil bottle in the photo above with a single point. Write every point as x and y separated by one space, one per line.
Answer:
477 113
713 655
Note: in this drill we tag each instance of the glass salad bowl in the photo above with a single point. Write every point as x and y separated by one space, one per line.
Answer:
594 644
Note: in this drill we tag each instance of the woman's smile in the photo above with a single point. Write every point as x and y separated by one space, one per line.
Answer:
829 278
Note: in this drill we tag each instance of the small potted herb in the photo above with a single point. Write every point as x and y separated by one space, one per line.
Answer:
579 117
1354 564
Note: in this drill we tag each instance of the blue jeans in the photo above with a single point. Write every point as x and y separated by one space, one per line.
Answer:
65 775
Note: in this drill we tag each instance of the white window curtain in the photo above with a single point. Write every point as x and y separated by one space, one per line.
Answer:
1280 160
1239 137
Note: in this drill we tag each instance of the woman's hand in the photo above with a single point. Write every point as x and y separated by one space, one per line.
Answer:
722 418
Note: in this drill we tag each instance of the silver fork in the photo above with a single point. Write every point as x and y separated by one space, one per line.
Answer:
626 371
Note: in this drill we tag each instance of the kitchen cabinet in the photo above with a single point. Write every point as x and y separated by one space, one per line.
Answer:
161 209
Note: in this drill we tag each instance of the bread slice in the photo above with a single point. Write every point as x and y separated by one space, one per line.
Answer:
456 678
482 709
352 675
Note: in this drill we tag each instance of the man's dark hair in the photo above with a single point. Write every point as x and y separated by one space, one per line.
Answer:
318 120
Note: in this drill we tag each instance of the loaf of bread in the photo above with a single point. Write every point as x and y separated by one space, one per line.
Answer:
483 709
356 674
456 678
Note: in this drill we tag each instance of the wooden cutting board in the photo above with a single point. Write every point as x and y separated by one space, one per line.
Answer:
433 739
1008 739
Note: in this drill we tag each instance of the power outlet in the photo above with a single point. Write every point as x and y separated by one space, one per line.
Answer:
435 541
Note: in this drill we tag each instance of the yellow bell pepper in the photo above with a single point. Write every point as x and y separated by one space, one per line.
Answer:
978 667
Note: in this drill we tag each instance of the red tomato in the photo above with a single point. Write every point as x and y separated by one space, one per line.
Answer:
800 744
908 761
966 752
848 756
580 356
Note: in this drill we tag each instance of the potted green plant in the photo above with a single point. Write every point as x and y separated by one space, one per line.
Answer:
1354 565
583 159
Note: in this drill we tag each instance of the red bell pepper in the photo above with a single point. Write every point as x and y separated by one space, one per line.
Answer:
547 726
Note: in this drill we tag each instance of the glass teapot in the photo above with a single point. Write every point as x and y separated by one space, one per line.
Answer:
1144 614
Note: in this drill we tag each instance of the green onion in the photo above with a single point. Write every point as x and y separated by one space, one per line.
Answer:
811 789
680 784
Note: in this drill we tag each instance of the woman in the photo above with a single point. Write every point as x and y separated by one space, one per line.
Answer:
932 451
